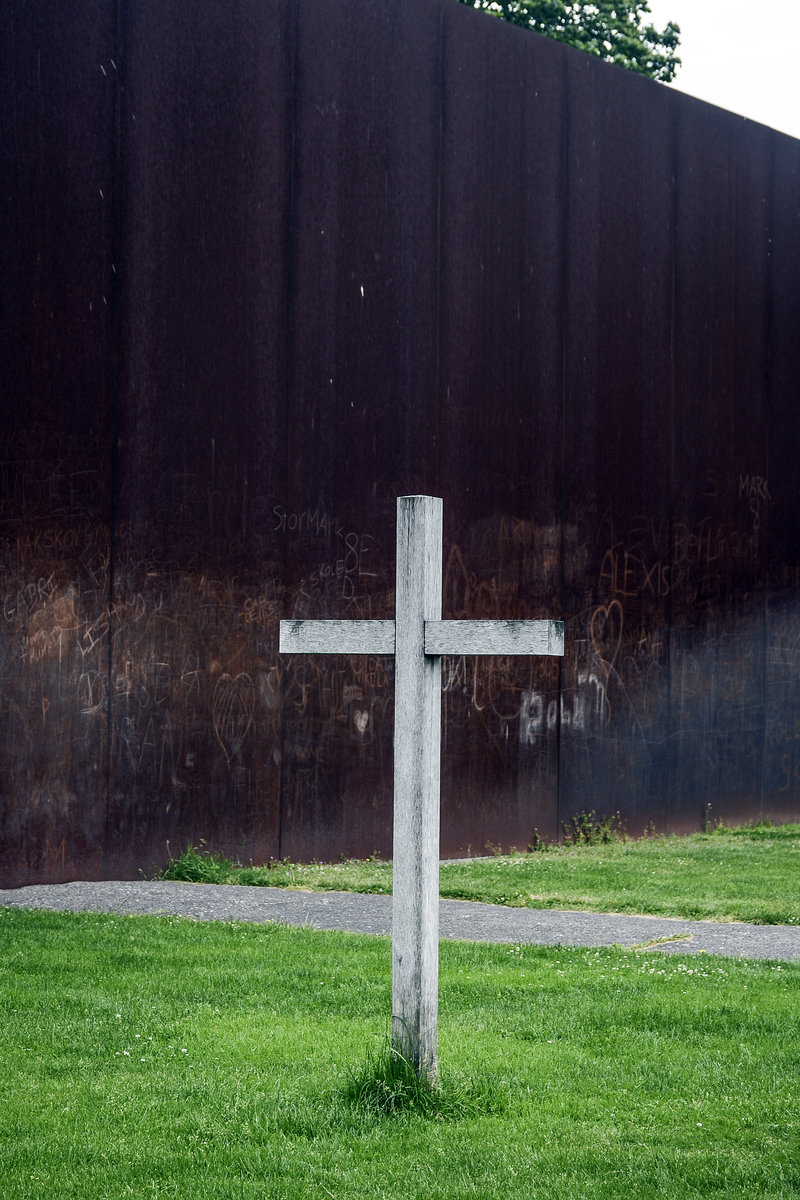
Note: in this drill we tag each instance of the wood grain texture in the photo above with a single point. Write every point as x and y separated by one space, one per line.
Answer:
336 637
494 637
417 734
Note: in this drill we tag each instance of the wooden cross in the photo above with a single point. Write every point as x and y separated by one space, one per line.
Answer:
418 638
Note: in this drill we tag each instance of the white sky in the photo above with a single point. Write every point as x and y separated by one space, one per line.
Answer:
740 55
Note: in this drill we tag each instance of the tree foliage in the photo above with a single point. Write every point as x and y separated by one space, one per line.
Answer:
613 29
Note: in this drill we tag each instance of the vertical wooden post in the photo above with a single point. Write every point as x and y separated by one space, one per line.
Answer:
417 740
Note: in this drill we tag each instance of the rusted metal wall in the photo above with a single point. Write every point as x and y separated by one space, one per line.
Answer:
266 268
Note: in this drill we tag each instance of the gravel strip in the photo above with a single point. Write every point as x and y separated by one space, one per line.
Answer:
458 919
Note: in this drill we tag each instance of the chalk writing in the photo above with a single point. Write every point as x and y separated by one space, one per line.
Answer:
576 709
51 540
28 492
259 610
149 747
319 522
92 692
659 649
27 598
754 487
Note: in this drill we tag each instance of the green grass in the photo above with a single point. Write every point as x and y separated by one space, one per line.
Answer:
725 875
160 1057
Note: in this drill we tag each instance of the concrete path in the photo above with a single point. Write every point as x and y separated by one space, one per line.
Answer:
458 919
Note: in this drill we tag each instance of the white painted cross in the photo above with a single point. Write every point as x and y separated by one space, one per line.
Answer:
417 638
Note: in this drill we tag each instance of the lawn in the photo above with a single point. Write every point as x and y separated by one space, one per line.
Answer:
746 874
162 1057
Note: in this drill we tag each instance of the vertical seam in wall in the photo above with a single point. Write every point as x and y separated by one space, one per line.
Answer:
769 331
564 287
113 464
437 397
672 789
290 376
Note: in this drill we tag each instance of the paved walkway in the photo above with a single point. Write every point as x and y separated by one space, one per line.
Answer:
458 919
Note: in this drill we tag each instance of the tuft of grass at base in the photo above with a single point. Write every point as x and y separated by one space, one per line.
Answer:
724 874
386 1084
168 1058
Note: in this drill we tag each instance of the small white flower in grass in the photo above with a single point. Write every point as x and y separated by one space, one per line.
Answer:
184 1050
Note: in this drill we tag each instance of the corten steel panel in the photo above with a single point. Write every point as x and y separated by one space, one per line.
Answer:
719 535
205 146
57 212
781 770
617 453
363 418
337 260
501 302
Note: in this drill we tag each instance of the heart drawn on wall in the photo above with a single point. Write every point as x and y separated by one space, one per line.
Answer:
605 630
361 720
232 711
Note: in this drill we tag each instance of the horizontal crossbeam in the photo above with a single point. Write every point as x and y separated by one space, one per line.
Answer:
441 637
336 637
494 637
